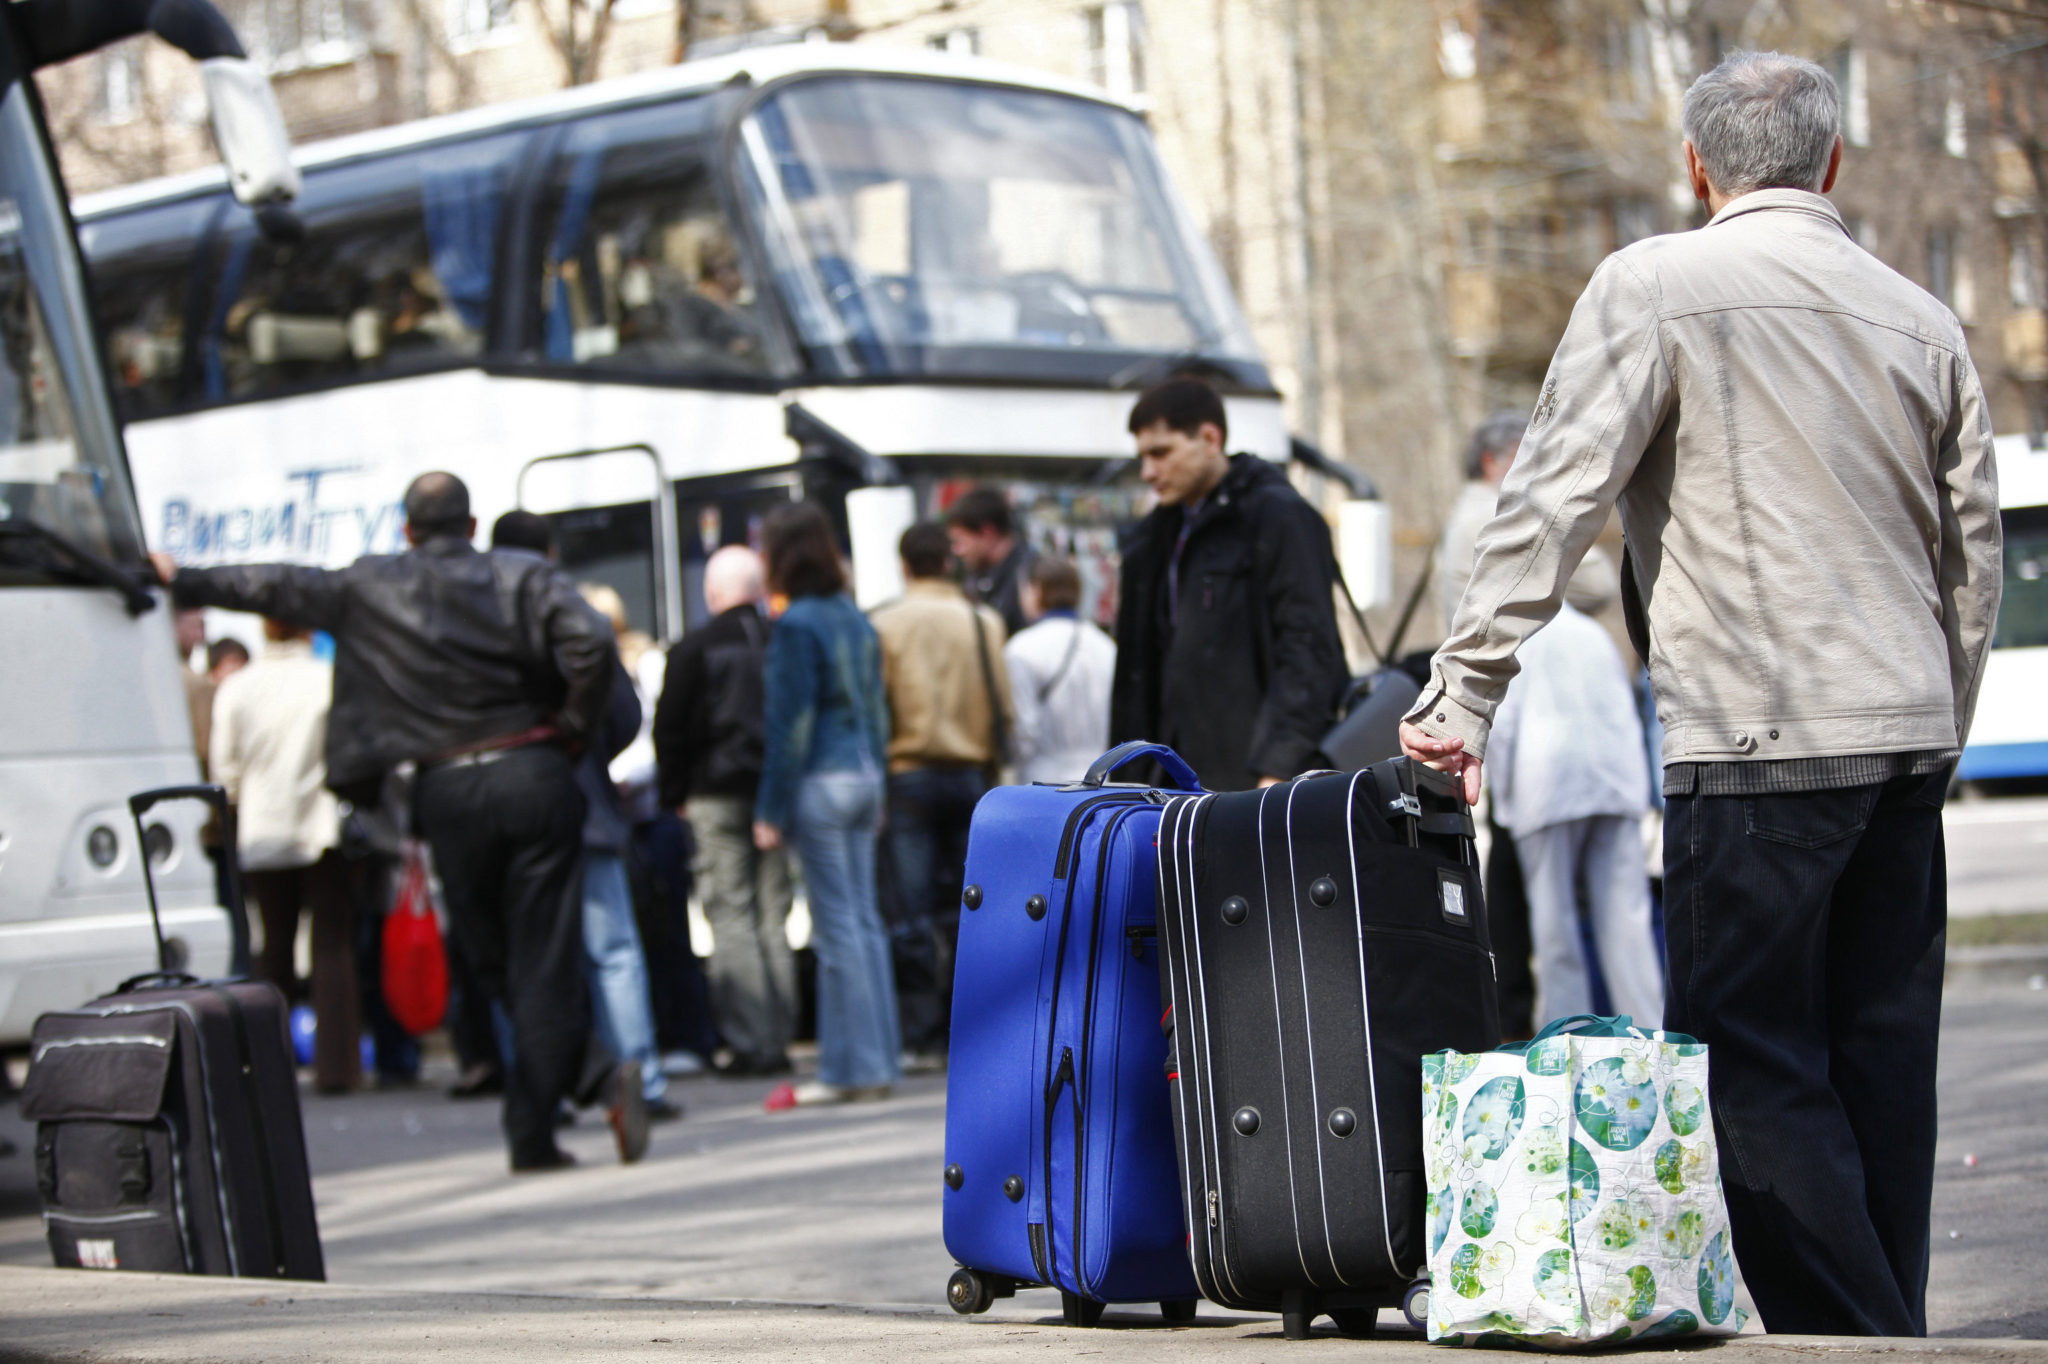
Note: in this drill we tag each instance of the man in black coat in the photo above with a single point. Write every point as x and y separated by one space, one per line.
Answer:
485 670
1227 644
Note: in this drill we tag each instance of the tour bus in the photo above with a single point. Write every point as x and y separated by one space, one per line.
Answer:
2009 736
656 308
92 708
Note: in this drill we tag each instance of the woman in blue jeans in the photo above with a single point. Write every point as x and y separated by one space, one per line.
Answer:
826 734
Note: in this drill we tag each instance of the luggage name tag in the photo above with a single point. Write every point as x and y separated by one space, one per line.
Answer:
1450 893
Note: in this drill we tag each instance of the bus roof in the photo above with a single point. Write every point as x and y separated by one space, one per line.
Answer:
758 65
2022 472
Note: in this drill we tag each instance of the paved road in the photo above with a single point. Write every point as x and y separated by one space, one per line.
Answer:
1997 855
842 1207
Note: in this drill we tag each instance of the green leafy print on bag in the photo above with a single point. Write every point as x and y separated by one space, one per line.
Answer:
1623 1222
1679 1323
1585 1182
1555 1282
1617 1103
1717 1280
1632 1295
1685 1106
1683 1165
1544 1222
1493 1118
1481 1207
1543 1152
1475 1270
1551 1056
1441 1202
1684 1231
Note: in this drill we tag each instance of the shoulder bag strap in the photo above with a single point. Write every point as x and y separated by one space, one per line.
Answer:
999 729
1059 674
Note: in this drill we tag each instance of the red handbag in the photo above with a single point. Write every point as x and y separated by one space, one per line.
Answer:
415 963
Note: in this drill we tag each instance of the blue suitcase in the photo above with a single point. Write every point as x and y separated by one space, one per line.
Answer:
1060 1162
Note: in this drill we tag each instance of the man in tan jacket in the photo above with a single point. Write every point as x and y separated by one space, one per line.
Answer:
1801 454
949 716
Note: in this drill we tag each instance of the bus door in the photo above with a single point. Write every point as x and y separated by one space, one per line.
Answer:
725 509
614 516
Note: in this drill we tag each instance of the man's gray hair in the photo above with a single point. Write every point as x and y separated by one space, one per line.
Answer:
1496 436
1763 120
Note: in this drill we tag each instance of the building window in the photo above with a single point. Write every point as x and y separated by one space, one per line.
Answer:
1955 127
2026 282
1850 67
119 98
1116 48
960 42
470 20
288 35
1941 264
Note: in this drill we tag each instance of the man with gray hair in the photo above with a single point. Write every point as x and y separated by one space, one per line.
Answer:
708 748
1801 453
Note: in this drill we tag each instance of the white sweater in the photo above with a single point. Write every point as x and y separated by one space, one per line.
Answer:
1062 716
269 750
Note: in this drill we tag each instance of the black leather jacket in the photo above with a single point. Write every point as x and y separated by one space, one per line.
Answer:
437 649
707 725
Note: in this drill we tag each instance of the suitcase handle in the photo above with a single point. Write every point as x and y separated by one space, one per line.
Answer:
1177 770
140 804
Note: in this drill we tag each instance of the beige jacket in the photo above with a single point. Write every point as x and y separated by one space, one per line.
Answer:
932 672
1802 457
269 750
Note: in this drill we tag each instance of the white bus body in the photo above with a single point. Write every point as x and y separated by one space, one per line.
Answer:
2009 735
962 268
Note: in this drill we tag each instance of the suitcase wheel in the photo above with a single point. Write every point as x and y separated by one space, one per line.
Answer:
1415 1304
968 1292
1076 1310
1178 1311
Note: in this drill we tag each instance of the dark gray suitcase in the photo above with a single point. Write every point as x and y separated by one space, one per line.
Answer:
1318 937
168 1132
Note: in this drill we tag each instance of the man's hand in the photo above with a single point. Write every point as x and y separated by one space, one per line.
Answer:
166 567
1445 755
767 837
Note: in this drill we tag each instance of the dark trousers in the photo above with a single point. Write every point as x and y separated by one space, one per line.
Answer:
1804 942
658 865
507 837
373 880
929 810
323 889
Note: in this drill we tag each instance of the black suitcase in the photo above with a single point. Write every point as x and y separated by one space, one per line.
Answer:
168 1135
1318 938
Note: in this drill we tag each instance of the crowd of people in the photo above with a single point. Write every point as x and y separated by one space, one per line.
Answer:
1800 765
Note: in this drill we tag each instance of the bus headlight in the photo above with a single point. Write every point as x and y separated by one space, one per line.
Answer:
102 847
158 843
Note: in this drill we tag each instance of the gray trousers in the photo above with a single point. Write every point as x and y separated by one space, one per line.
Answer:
746 898
1603 856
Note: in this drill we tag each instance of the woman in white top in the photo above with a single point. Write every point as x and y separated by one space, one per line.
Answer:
1060 672
269 749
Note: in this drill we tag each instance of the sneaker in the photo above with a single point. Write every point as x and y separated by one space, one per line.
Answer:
478 1082
628 1112
663 1109
816 1093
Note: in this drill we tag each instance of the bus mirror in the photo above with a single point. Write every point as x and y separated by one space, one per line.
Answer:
875 520
249 130
1365 551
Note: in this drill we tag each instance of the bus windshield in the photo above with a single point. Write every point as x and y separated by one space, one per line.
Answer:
924 227
62 482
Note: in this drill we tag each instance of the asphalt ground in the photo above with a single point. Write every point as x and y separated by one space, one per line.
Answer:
832 1216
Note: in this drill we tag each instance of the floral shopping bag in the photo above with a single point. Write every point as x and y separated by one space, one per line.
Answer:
1574 1197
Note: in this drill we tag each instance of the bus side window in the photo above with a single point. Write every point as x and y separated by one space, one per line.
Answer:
147 280
393 274
639 267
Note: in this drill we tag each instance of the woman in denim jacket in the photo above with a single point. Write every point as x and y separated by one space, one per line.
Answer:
827 730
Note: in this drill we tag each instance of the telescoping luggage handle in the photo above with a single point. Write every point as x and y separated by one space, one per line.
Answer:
140 804
1177 770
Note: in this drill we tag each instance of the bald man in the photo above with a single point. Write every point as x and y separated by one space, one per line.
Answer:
707 746
484 670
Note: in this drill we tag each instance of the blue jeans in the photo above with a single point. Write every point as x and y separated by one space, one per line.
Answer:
616 969
834 832
1804 938
929 811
